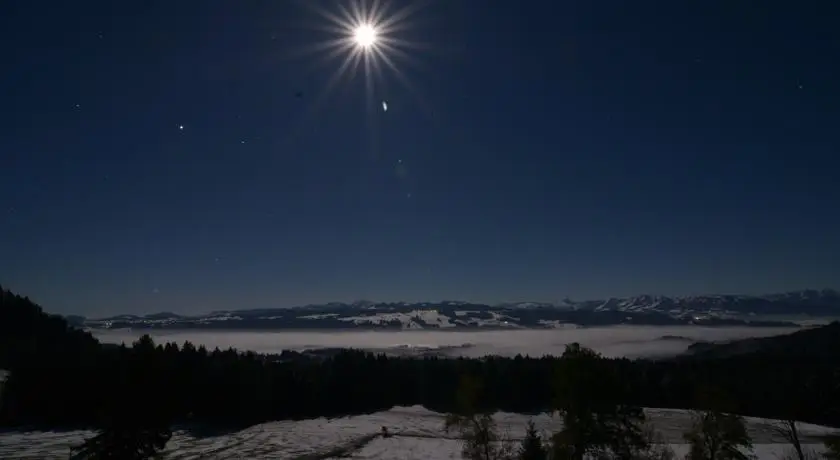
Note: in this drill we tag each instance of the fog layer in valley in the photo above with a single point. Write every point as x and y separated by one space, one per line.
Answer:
613 341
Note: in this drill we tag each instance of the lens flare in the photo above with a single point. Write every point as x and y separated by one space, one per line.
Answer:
368 39
365 36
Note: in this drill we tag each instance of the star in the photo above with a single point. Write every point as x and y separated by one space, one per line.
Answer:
181 127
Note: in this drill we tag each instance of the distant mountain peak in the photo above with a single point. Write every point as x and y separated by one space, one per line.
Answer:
162 315
690 309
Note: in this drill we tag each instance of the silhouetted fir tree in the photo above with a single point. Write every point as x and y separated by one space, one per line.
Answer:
592 402
135 426
532 447
478 431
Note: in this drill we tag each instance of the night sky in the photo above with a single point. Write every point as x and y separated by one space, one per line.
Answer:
187 156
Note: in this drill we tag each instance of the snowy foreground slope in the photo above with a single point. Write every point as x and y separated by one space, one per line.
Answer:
417 435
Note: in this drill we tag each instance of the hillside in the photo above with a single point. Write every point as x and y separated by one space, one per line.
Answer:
820 342
62 377
27 333
417 435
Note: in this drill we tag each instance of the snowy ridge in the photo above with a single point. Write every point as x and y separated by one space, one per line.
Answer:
645 309
415 319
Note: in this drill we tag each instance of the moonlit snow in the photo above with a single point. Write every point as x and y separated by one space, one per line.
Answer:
613 341
417 434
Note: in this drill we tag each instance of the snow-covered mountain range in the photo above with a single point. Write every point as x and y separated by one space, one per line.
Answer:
649 310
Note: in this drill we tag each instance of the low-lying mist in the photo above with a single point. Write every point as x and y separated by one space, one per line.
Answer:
613 341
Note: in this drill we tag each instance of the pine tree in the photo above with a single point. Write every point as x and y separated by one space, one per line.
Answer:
532 447
477 429
588 395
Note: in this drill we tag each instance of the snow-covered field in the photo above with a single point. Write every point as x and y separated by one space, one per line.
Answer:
614 341
417 434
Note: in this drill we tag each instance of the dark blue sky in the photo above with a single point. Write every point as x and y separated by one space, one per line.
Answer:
532 150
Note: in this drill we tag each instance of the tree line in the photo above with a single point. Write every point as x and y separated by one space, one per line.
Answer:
594 425
60 376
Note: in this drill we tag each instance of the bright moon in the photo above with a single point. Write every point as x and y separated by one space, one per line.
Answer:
365 36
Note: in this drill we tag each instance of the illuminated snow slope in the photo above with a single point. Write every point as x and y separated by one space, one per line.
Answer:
417 435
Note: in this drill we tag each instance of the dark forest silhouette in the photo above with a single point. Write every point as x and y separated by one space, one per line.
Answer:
63 377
